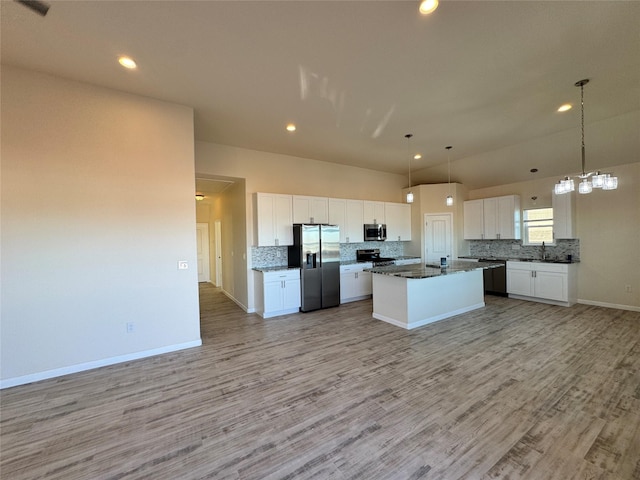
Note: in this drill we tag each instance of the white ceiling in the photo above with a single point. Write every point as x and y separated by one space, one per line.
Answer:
356 76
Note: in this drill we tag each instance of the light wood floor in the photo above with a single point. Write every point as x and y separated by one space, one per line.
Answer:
516 390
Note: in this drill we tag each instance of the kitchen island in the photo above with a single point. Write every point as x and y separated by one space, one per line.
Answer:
411 296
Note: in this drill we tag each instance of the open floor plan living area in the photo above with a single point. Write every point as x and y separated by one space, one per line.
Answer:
296 240
515 390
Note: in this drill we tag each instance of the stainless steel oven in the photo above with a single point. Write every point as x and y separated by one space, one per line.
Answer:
375 232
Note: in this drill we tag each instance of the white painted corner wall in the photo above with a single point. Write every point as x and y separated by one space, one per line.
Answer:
97 209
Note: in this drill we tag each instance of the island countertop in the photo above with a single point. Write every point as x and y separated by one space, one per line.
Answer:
432 270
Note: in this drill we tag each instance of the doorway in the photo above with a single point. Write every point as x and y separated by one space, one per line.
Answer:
438 237
202 243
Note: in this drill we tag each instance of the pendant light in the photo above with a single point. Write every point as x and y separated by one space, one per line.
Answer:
449 200
588 180
409 193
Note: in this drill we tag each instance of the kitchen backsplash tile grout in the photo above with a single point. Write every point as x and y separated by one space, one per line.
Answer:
277 256
515 249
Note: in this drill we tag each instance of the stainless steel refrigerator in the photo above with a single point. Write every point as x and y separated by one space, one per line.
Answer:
316 250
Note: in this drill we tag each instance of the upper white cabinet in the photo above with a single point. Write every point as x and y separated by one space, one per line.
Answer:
474 220
347 214
274 219
564 223
398 218
310 209
496 218
373 212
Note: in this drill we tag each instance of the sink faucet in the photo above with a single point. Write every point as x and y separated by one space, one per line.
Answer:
544 252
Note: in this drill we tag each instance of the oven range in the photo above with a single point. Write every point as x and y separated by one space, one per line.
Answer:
373 255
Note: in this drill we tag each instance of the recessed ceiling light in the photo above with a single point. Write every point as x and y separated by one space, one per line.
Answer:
565 107
127 62
291 127
417 156
428 6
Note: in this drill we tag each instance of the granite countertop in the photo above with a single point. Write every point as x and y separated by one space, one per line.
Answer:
274 269
515 259
353 262
432 270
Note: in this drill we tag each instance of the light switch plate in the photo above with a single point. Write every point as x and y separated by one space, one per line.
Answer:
183 265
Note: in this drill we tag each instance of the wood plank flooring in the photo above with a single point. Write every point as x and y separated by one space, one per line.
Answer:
516 390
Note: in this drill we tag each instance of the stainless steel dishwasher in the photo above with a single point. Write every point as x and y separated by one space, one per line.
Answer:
495 279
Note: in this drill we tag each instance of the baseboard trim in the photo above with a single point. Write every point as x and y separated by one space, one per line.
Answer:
81 367
237 302
428 320
609 305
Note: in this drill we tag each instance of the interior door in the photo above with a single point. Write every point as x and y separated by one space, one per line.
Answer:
202 242
438 237
218 246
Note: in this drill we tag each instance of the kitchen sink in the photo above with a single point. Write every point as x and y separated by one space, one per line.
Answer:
539 261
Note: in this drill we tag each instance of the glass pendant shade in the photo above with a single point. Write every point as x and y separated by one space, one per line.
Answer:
449 200
610 183
568 185
409 197
585 186
597 180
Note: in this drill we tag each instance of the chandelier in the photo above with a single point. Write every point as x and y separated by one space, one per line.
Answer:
588 180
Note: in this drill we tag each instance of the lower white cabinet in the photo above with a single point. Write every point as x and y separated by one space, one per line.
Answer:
540 281
355 283
278 292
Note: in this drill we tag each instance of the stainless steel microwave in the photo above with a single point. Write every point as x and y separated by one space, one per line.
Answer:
375 231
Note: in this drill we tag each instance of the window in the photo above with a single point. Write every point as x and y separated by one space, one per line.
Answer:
538 226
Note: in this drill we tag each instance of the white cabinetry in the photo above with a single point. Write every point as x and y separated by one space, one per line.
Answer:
398 218
545 282
310 209
355 283
564 224
496 218
373 212
347 214
278 292
274 219
474 220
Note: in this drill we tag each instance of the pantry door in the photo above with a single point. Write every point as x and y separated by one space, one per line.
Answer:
438 237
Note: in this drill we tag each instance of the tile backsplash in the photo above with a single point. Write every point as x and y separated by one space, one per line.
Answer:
515 249
276 256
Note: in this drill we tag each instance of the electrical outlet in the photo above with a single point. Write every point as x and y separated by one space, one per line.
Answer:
183 265
627 288
278 253
130 327
515 246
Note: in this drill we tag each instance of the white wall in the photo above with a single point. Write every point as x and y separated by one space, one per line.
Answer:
608 226
97 208
431 199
